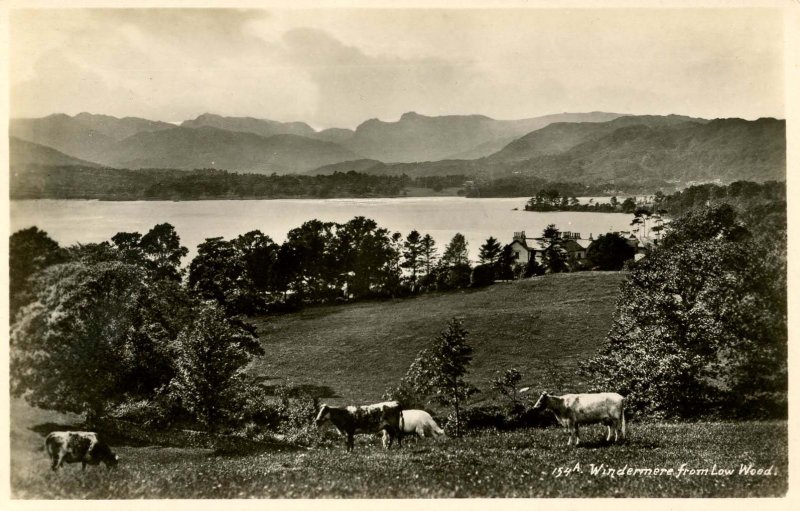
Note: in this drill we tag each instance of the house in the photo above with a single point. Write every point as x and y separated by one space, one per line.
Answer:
570 244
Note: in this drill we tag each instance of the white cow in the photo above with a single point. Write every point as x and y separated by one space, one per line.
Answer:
420 423
571 410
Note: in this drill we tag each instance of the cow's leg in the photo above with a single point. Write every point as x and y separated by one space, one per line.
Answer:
83 465
349 442
387 439
54 462
577 436
608 437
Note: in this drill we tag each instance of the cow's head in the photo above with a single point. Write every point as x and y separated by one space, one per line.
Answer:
322 415
541 403
104 454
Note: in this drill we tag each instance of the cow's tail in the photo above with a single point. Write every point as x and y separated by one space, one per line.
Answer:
402 422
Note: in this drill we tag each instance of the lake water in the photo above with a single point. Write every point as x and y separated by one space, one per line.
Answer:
72 221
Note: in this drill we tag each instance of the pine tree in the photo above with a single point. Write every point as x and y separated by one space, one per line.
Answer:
490 251
413 255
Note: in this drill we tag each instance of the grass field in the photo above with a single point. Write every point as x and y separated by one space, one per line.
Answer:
541 326
520 464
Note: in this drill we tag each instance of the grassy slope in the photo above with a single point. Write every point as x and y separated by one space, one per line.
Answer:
360 349
542 326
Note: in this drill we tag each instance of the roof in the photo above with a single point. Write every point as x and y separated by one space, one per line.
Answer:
538 245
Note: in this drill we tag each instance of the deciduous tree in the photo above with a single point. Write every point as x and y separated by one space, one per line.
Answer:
29 251
210 358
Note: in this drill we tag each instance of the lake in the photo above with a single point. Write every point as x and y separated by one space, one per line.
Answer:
85 221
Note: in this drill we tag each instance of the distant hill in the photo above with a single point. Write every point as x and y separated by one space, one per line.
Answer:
23 153
561 136
85 136
723 150
120 128
206 147
630 150
263 127
336 135
418 138
591 148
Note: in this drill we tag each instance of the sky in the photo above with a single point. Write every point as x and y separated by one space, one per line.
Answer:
340 67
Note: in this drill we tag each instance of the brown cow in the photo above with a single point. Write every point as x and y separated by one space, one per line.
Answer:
78 446
351 420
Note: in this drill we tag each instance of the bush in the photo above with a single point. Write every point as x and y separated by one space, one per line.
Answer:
501 418
477 418
458 276
482 275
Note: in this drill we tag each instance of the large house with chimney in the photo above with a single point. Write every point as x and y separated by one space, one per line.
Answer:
572 246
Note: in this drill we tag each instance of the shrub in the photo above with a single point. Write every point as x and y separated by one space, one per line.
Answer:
482 275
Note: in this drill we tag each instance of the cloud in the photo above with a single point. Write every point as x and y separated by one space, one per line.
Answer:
340 67
352 84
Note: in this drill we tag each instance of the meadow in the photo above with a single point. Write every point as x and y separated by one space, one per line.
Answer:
524 463
352 353
543 327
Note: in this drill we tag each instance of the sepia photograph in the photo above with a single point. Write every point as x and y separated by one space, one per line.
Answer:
445 251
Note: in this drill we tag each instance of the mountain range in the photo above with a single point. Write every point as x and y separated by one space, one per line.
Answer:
588 148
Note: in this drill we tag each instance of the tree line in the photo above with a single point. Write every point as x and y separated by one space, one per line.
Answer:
69 182
550 199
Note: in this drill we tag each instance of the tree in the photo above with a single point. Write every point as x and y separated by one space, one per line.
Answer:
701 324
259 254
428 259
413 254
308 263
629 205
551 232
367 257
505 264
210 359
29 251
533 268
456 252
163 252
218 272
92 329
428 253
639 222
609 252
490 251
454 270
555 259
438 371
128 247
506 385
